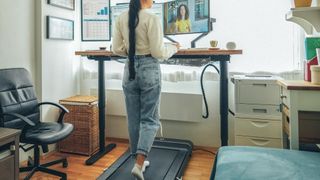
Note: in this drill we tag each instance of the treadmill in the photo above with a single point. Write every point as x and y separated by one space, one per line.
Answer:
168 160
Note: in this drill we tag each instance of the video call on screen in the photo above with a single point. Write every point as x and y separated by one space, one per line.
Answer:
186 16
177 17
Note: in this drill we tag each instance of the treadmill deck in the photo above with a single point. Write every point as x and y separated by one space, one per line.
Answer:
168 158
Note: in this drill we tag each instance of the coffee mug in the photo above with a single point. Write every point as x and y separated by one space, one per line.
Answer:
213 43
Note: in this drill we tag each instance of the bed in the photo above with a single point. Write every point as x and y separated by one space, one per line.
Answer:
254 163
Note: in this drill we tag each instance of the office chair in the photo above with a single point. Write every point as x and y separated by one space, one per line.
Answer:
19 109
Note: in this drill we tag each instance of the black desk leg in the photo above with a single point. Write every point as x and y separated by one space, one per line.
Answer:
224 101
102 98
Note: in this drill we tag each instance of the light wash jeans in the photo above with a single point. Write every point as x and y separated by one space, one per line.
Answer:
142 96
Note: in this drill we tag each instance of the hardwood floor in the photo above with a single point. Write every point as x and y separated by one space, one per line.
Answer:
199 166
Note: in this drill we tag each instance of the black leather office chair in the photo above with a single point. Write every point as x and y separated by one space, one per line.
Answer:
19 109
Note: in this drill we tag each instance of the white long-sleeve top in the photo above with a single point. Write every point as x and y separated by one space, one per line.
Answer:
149 36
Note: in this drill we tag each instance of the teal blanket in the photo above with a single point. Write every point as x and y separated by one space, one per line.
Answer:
253 163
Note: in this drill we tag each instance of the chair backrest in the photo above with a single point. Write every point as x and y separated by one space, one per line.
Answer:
17 95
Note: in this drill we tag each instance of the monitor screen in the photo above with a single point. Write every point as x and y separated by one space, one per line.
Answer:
157 9
186 16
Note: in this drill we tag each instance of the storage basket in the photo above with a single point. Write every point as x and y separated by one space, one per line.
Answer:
83 114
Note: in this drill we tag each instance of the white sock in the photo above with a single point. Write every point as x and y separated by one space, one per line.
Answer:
137 172
145 165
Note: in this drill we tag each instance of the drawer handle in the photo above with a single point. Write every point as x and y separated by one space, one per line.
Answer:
259 84
259 110
260 142
283 96
12 148
259 124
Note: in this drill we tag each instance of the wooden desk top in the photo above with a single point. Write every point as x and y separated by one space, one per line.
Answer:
298 85
6 133
180 52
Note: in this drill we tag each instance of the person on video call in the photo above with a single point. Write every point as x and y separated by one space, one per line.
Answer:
138 35
183 24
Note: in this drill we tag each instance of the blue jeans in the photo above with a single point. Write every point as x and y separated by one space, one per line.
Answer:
142 96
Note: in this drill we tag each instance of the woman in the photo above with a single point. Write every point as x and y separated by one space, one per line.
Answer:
183 24
138 35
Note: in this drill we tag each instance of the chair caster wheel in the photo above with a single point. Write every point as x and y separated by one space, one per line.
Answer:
65 164
30 162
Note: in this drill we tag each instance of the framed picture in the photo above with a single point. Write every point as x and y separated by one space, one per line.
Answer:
59 28
67 4
95 20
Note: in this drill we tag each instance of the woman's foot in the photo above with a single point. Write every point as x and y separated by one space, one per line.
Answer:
145 165
137 172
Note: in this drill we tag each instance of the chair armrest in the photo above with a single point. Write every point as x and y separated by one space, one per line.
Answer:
63 109
25 119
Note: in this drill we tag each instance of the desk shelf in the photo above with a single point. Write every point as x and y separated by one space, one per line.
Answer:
308 18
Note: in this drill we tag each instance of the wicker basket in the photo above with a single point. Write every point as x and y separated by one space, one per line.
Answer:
84 117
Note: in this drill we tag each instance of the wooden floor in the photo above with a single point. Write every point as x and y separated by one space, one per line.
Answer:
199 167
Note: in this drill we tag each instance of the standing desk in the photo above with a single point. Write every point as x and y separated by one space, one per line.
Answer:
223 56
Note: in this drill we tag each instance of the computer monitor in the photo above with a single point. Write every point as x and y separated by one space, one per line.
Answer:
186 16
157 8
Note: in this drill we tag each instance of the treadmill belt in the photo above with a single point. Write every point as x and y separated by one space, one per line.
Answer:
161 161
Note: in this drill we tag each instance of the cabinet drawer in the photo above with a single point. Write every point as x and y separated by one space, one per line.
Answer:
259 93
258 111
285 96
261 142
7 168
258 128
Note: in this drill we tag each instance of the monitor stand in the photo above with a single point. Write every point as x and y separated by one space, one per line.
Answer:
193 42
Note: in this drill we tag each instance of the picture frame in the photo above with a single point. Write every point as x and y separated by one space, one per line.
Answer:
95 20
66 4
59 28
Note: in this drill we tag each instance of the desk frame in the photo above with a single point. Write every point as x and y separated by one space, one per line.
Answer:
223 56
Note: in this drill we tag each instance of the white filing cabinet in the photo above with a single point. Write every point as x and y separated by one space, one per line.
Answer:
257 111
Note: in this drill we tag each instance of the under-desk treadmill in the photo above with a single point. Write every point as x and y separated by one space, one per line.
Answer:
168 159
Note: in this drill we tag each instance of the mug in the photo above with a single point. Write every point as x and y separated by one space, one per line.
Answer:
231 45
213 43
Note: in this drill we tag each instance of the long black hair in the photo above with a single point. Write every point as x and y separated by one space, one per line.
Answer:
135 7
187 12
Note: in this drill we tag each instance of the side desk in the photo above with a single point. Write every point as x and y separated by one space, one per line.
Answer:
222 56
9 153
301 99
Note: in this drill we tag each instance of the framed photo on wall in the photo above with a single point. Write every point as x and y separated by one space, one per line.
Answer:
67 4
95 20
59 28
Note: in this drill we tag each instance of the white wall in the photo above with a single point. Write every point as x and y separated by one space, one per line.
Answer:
58 64
17 34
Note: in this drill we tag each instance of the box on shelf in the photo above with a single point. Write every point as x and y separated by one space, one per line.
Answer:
311 44
83 114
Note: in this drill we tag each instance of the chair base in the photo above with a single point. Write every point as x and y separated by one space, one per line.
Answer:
34 166
44 168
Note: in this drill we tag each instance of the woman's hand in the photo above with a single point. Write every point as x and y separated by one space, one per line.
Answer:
177 45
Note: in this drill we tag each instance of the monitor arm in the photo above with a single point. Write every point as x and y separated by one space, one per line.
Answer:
193 42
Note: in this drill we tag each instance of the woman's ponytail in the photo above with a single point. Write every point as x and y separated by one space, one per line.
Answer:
135 7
